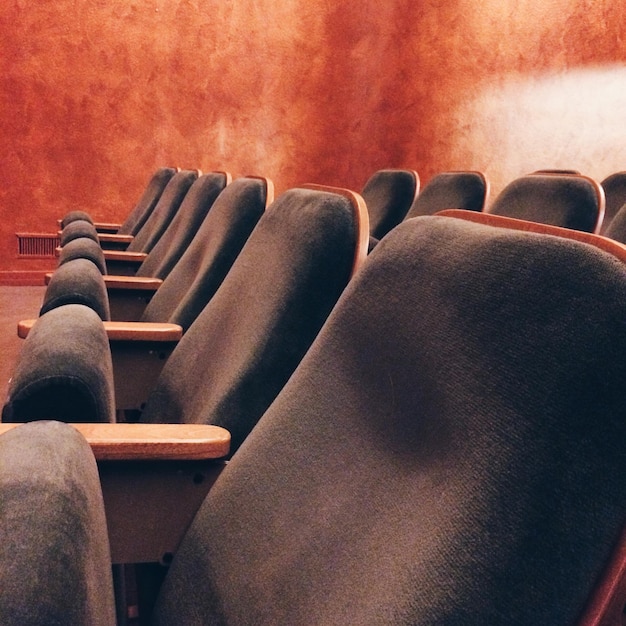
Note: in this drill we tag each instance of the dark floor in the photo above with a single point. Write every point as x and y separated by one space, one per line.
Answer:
16 303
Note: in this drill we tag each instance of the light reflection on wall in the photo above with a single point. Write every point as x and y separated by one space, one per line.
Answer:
574 119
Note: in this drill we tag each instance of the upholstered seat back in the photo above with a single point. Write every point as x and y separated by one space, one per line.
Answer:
206 261
615 192
163 213
77 282
184 225
76 229
568 201
147 202
56 561
451 190
450 451
247 341
83 248
64 371
388 195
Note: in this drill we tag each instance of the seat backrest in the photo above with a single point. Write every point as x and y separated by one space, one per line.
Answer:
163 213
64 371
234 359
55 555
147 202
388 195
76 229
615 192
77 282
564 200
202 268
184 225
451 190
83 248
450 450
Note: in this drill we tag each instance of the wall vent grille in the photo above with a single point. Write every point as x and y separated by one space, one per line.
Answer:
35 245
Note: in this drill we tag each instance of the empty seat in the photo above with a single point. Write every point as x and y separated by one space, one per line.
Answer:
565 200
450 450
83 248
388 195
163 213
64 370
244 345
204 264
141 211
451 190
458 423
54 554
615 192
77 282
181 230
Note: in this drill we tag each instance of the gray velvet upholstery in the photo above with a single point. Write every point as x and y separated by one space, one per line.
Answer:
560 200
388 195
164 211
615 193
83 248
242 348
54 554
64 370
77 282
450 450
202 268
617 227
76 229
147 202
74 216
184 225
451 190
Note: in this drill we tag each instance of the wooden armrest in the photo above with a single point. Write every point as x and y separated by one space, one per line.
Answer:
115 238
139 283
107 227
143 331
124 256
152 442
124 331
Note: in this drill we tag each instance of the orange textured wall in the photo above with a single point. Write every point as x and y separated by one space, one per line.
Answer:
96 94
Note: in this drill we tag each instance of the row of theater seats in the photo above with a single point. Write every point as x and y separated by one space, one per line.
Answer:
563 198
449 450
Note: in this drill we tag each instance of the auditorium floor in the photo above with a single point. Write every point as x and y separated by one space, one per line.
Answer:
16 303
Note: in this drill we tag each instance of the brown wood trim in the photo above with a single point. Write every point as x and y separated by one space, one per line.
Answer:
143 331
124 331
107 227
139 283
114 238
604 243
127 257
150 442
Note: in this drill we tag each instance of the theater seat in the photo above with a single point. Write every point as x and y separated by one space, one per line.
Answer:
54 554
64 370
247 341
77 282
450 450
615 192
388 195
201 269
563 200
467 190
140 212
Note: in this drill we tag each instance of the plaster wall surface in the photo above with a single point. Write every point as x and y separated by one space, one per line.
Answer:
94 95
